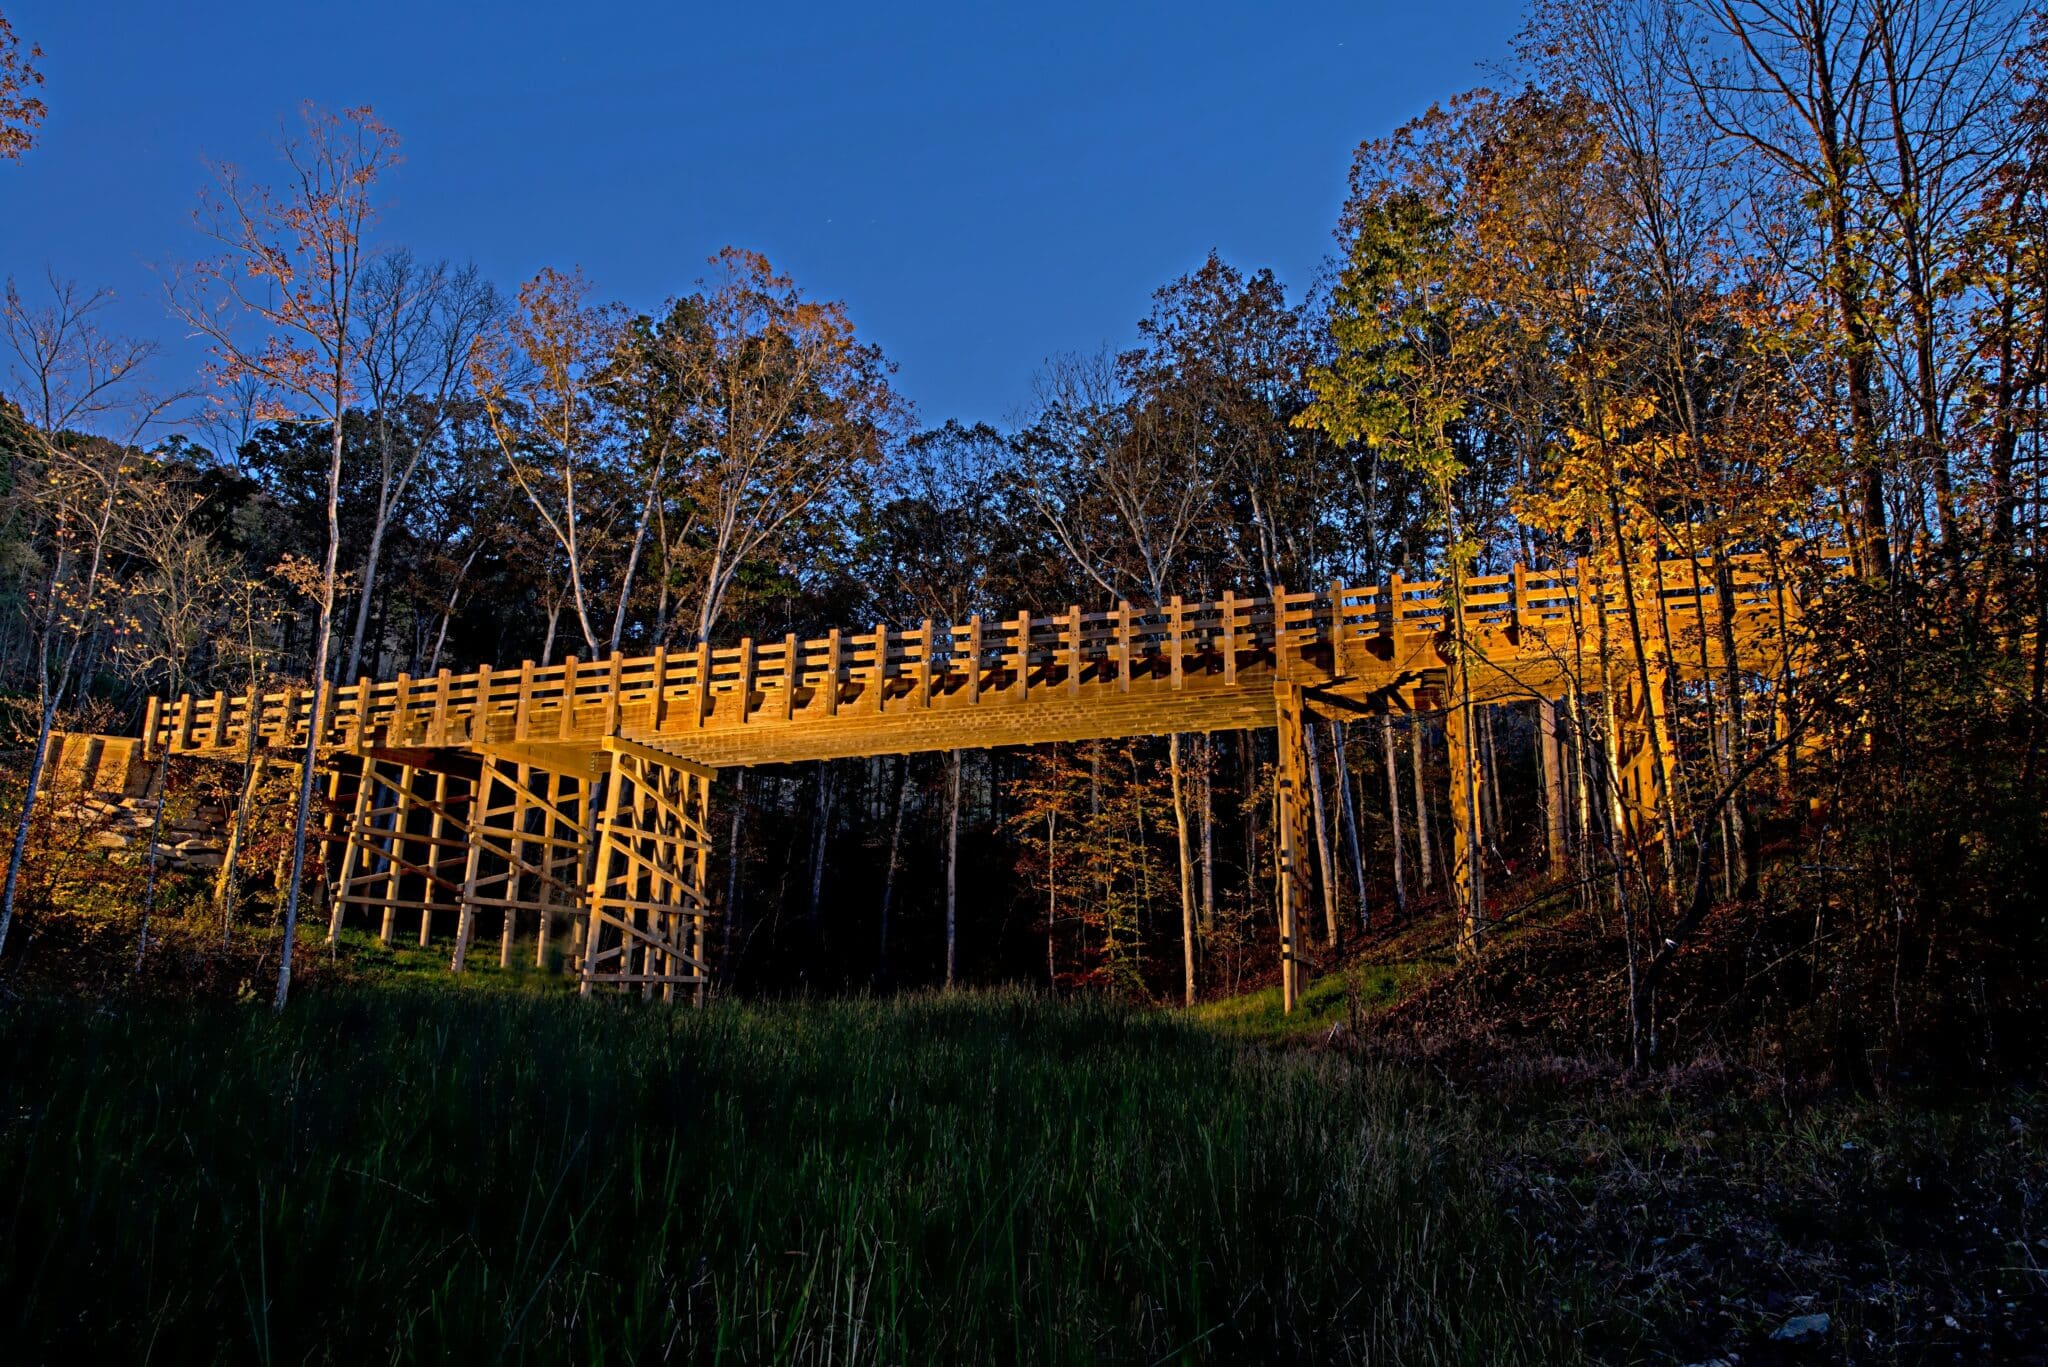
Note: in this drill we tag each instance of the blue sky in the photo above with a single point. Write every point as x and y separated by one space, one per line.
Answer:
985 185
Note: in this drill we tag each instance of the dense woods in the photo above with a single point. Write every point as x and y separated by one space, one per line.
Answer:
1705 279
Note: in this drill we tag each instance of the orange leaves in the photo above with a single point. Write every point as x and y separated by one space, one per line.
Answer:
21 112
290 262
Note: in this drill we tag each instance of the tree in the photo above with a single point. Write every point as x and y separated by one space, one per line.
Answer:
2006 264
291 265
178 599
542 384
1408 358
928 554
786 415
1797 88
1127 499
421 324
80 393
21 111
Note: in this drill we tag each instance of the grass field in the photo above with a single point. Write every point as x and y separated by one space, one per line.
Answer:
396 1174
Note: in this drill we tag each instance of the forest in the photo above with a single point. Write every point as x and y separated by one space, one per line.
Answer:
1724 283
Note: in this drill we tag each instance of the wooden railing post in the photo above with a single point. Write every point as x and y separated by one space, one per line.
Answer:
612 701
924 667
1229 638
832 648
565 723
150 711
702 709
1279 602
746 677
1123 647
1176 639
659 708
792 674
881 663
326 711
399 732
974 659
522 716
1022 643
1395 588
1337 662
1074 650
480 718
438 727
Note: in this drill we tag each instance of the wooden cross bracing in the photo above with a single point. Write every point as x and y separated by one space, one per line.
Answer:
649 897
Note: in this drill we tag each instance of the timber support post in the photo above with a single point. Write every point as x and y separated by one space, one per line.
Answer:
567 826
1291 798
352 848
476 817
400 812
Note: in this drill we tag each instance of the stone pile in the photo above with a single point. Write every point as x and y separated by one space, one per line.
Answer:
102 784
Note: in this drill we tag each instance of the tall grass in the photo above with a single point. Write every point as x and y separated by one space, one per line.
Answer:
405 1176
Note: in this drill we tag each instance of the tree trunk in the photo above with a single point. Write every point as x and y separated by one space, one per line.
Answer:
1424 873
735 938
952 864
1489 774
1326 863
317 704
889 874
822 831
547 645
369 585
1739 825
228 880
1052 900
1581 782
156 833
44 729
1348 810
1394 814
1208 834
1187 867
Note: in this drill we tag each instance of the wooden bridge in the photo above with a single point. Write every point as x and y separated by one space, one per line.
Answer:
581 790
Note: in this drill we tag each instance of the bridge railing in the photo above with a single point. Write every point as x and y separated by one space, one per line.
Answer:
981 659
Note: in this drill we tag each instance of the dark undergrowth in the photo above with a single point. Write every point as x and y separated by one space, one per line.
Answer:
398 1175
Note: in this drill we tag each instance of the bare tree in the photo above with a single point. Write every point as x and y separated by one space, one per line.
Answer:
420 328
290 266
1797 86
542 384
1124 495
1942 92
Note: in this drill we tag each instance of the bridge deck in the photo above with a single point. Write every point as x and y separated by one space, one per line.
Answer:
584 789
1025 680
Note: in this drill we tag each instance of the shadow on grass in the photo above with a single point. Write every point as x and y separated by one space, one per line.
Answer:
401 1174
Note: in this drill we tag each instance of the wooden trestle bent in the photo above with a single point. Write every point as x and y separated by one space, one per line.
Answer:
582 790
